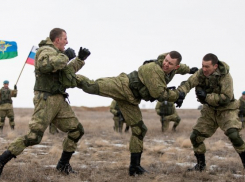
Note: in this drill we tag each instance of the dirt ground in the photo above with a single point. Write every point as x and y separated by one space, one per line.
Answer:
103 155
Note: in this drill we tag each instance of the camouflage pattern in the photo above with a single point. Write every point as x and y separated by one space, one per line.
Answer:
242 105
52 129
114 108
6 109
51 108
170 114
117 88
220 108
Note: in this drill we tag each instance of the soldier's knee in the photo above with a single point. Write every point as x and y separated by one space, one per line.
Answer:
178 119
77 133
193 138
33 138
234 137
11 119
143 129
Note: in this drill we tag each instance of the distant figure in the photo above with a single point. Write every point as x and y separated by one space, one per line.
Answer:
167 112
241 113
6 104
118 117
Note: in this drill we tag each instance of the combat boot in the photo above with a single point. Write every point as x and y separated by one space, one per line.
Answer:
5 158
63 164
201 165
135 167
242 156
174 128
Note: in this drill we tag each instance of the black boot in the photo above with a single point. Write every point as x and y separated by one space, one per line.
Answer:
135 167
5 158
63 164
12 127
242 155
126 129
201 165
174 128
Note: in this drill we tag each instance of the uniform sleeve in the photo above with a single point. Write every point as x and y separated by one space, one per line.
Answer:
157 108
13 93
112 108
187 85
153 78
183 69
76 64
226 93
49 60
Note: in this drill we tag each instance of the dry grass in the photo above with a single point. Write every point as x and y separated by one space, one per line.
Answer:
102 154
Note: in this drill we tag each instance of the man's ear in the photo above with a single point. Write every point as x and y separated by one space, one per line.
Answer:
216 66
177 67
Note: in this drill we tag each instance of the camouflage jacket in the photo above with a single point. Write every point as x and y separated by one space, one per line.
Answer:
154 78
165 108
242 105
218 86
51 65
5 98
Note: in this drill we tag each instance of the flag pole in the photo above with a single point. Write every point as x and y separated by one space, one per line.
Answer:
22 69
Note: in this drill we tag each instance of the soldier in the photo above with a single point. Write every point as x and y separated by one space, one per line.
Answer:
53 74
167 112
6 104
214 89
241 113
118 117
148 83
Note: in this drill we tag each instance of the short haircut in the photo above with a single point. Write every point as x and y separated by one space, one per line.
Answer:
211 57
55 33
176 55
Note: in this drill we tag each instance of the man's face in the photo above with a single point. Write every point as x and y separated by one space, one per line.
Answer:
61 42
208 68
243 96
6 85
169 64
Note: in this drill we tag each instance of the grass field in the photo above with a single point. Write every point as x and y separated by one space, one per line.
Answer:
103 155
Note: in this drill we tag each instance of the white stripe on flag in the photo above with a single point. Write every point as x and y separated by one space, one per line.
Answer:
34 49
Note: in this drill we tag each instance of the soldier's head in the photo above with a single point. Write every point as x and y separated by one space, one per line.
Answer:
6 84
59 38
171 61
209 64
243 94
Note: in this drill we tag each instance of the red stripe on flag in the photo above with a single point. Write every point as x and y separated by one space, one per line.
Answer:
30 61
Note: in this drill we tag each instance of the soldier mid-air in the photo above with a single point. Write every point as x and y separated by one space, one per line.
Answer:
53 75
167 112
6 104
214 89
148 83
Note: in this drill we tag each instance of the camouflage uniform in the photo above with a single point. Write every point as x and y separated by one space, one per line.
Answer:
6 106
242 110
220 109
118 122
148 83
52 72
167 112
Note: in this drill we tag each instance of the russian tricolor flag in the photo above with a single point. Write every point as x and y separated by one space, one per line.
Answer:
31 58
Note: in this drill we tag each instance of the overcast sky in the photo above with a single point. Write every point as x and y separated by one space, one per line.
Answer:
121 35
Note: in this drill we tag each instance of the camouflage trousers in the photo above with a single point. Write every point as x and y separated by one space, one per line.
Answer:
118 126
211 120
7 113
167 119
118 89
53 109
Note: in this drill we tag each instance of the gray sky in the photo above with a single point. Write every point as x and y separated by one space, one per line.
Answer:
121 35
